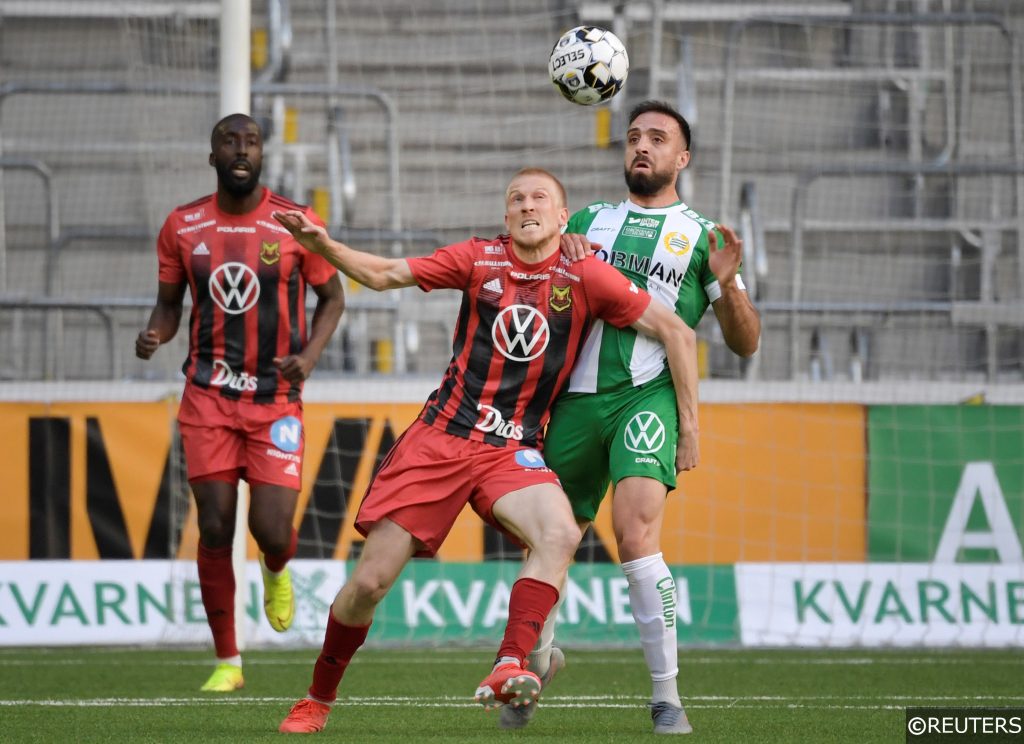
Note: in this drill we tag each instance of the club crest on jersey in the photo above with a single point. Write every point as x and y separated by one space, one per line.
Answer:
675 243
520 333
234 287
561 298
270 253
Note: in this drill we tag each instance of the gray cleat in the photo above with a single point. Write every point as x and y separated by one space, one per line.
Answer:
517 717
668 719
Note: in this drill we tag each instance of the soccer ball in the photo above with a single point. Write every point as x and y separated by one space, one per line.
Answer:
588 65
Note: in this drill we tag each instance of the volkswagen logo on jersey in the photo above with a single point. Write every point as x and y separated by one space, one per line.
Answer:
644 433
234 287
520 333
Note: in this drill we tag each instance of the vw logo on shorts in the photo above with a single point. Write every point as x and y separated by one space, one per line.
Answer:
530 458
645 433
286 434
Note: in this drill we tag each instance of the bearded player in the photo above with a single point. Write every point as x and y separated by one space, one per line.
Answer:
241 411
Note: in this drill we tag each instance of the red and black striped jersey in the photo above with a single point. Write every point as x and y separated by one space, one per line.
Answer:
519 332
248 278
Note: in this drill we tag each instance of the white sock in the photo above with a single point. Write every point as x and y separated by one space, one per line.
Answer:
540 657
652 596
234 660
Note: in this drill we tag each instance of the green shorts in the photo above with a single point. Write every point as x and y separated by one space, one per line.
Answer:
595 439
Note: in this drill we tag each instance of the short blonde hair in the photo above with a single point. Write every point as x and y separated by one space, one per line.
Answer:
560 189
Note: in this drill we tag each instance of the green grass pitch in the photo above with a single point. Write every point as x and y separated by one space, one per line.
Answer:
424 695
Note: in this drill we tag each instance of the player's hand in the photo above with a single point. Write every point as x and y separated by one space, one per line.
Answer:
687 452
146 343
294 367
724 260
576 247
310 236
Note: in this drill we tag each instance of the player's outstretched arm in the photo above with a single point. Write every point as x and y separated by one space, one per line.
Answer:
163 321
680 344
736 314
375 272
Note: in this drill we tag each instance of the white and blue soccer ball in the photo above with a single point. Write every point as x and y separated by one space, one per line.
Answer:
588 65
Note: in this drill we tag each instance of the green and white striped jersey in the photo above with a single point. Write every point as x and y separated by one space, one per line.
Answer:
664 251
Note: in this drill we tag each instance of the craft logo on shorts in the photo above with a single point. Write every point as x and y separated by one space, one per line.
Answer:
645 433
286 433
676 243
530 458
561 298
270 253
520 333
234 287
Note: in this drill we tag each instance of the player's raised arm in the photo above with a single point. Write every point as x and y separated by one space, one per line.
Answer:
375 272
680 344
736 314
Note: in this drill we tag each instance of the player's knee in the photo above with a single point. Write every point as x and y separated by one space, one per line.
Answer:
368 588
562 537
215 532
635 544
272 539
271 544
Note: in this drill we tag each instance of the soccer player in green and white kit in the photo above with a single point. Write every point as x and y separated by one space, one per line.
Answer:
617 421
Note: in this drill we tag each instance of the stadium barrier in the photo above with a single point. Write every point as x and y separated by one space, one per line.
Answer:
812 523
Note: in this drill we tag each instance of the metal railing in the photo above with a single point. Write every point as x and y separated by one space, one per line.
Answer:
383 100
796 303
730 54
736 30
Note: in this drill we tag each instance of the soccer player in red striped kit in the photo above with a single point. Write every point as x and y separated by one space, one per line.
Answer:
241 412
525 314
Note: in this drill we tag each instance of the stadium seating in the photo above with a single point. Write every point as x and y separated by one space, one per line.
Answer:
474 105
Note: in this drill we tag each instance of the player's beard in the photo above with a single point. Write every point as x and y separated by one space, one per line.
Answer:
233 185
647 184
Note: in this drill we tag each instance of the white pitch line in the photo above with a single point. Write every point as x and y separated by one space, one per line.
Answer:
695 702
577 661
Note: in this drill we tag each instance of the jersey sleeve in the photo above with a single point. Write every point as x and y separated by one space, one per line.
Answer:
580 222
316 269
575 223
449 267
612 296
171 268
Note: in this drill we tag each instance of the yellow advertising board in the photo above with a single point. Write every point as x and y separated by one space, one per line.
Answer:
88 480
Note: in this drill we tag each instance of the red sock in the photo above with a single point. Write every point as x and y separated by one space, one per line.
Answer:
277 561
340 644
217 586
528 608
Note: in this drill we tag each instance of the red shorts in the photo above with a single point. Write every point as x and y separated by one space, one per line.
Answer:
260 442
429 475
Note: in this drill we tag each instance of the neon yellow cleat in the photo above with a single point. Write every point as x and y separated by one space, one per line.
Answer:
225 678
278 598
